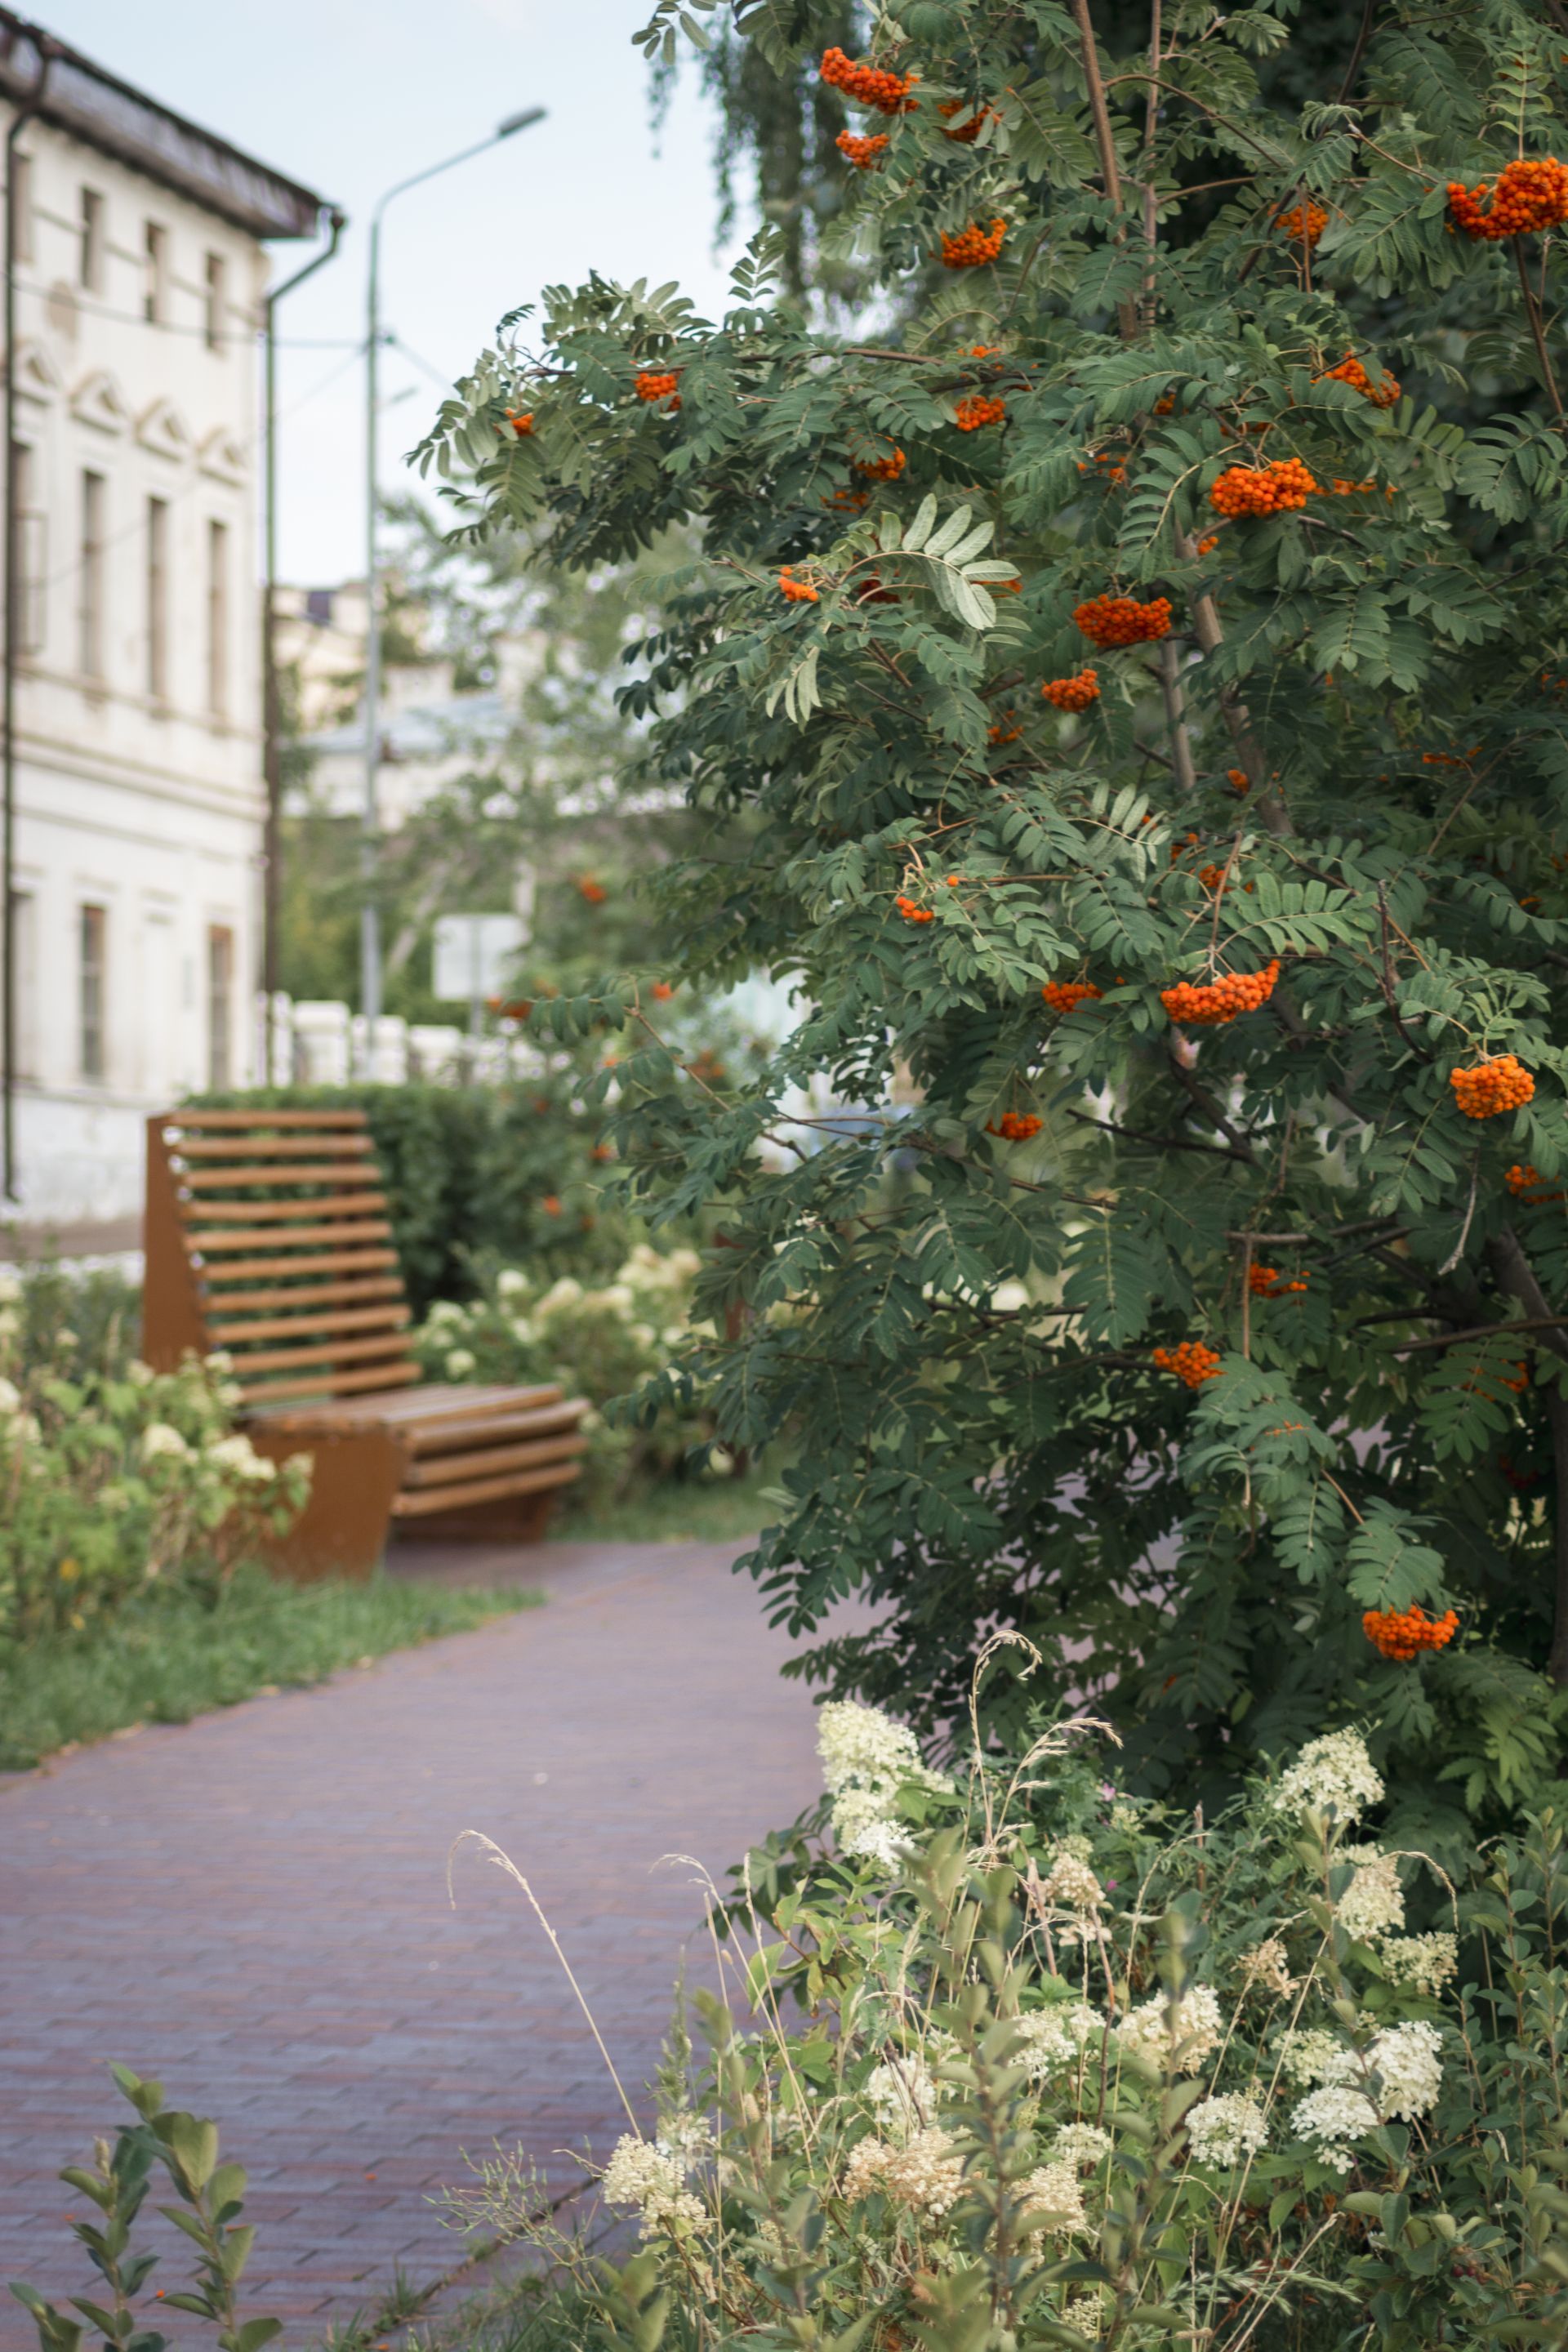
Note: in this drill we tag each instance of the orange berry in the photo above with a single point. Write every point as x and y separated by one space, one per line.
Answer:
913 912
1349 371
1191 1362
1014 1127
1402 1633
1062 995
1531 194
978 409
652 386
1280 488
797 592
1107 621
1306 223
881 469
864 153
1221 999
1492 1087
521 422
868 85
974 247
1072 693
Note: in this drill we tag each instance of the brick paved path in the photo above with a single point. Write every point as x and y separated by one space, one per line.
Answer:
252 1909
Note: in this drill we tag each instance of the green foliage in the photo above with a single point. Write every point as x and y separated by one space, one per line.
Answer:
178 1649
1016 2060
211 2198
115 1478
957 1329
600 1343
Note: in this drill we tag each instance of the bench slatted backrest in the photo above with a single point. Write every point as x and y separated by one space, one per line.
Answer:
268 1237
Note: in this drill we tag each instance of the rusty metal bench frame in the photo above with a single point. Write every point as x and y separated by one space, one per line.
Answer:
295 1277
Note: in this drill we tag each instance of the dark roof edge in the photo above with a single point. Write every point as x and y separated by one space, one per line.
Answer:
95 106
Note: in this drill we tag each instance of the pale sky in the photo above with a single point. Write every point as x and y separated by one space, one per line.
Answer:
351 96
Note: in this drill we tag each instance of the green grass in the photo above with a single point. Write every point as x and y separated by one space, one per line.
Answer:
170 1655
678 1510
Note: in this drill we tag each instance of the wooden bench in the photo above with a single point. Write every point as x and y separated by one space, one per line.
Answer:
266 1237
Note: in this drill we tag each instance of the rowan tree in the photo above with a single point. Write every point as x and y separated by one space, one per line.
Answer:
1141 674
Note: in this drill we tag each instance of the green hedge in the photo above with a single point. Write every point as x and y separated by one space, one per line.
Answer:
478 1175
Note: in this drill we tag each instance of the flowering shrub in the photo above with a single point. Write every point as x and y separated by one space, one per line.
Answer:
601 1343
1011 2058
108 1483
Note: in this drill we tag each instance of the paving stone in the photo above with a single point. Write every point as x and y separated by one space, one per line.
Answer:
253 1907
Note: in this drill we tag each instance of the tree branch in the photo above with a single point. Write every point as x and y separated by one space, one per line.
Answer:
1164 1143
1353 69
1105 137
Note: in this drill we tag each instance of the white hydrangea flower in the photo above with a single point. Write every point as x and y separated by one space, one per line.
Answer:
926 2173
1080 2145
238 1454
1425 1963
1372 1905
443 1316
862 1824
160 1438
1266 1969
641 2176
141 1375
511 1283
1183 2036
567 1292
460 1362
1315 2053
522 1330
1335 2117
10 1399
1086 2314
1056 2036
1227 2129
1332 1772
1407 2061
861 1744
687 2139
684 1264
902 2096
1054 2187
1071 1885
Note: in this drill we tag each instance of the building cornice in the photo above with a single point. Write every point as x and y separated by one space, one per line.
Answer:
96 107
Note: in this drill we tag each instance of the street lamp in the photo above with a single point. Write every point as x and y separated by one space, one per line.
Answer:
370 921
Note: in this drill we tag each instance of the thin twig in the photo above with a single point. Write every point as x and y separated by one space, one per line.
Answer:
1537 329
1354 69
1484 1331
1458 1252
1105 137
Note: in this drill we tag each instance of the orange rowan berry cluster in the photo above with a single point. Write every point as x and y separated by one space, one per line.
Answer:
1001 733
1526 1185
1403 1633
882 469
913 913
974 247
1343 489
846 499
1191 1362
1351 371
797 592
1265 1282
664 990
652 386
1492 1087
1072 693
1305 222
1238 780
1531 194
976 409
869 85
1179 848
863 154
1115 472
1221 999
1014 1126
1277 488
1207 546
594 892
1122 621
1061 995
1211 877
1165 405
521 422
971 128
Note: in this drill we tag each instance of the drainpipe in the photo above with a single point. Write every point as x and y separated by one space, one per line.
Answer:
272 713
24 114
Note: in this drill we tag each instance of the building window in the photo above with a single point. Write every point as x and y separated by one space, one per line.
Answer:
22 198
31 551
94 500
155 275
92 951
217 619
215 305
24 955
158 599
91 262
220 1006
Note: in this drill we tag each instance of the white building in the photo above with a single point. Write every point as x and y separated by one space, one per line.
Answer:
139 790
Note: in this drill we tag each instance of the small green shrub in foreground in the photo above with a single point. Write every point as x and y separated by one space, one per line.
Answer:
174 1651
1011 2060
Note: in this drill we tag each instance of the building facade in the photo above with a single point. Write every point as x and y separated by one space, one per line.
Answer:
139 795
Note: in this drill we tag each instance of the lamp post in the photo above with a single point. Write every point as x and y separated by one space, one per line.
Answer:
370 920
272 717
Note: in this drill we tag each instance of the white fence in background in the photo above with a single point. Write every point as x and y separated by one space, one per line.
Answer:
317 1042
